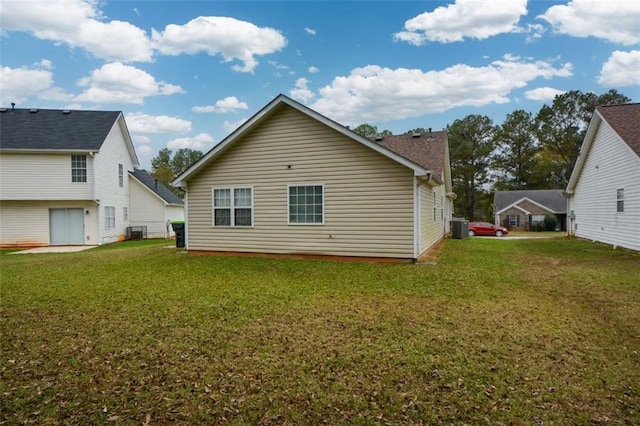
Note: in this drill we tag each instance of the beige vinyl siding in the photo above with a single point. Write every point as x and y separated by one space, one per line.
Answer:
42 177
26 223
368 208
432 231
610 165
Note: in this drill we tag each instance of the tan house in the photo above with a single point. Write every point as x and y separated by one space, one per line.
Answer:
292 181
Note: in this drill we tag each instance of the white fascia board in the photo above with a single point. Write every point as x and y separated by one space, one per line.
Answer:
127 137
258 117
589 137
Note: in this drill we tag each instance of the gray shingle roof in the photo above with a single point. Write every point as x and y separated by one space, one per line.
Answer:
152 183
550 198
54 129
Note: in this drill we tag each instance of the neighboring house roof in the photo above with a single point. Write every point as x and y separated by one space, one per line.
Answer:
158 188
274 105
550 199
427 149
623 119
51 129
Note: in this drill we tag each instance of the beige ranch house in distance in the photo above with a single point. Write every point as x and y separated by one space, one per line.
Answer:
291 181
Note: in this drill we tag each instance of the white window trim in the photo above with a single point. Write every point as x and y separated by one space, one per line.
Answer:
86 174
289 186
107 217
619 198
121 175
231 207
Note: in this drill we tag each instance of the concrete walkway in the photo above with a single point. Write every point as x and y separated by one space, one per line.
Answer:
54 249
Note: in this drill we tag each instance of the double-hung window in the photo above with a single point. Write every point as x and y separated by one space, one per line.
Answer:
513 220
306 204
435 206
620 200
120 175
233 206
109 217
78 168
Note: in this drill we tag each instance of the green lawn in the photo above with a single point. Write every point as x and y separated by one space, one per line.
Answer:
502 332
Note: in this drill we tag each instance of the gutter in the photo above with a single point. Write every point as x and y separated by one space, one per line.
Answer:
95 196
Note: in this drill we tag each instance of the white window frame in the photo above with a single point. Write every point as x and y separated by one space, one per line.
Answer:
125 213
304 185
120 175
232 207
79 165
435 206
539 218
109 217
517 220
620 200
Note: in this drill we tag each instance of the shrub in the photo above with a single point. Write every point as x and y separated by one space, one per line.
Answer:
550 222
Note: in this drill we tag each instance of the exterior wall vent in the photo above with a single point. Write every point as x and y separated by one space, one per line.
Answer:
415 135
378 138
66 111
33 111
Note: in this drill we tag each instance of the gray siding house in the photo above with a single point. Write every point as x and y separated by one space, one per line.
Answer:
604 188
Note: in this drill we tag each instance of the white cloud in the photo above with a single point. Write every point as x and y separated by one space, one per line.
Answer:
139 122
18 84
229 37
615 21
144 150
310 31
621 69
374 93
78 23
301 91
201 142
542 94
223 106
230 126
477 19
313 70
115 82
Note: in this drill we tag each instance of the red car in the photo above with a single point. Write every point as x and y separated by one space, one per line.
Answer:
486 228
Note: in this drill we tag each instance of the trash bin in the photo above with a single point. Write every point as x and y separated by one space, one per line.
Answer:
460 228
178 228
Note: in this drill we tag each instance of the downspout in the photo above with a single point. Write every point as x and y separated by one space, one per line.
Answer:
95 196
416 219
186 216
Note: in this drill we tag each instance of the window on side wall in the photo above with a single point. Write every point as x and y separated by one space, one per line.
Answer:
125 213
120 175
109 217
78 168
233 206
435 202
513 220
620 200
306 204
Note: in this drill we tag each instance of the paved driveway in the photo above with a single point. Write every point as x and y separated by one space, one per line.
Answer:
54 249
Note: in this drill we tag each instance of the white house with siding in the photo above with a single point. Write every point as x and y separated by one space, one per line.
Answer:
604 188
153 205
64 177
292 181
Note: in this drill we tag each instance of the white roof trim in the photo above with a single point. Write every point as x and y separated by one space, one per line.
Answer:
514 204
257 118
589 137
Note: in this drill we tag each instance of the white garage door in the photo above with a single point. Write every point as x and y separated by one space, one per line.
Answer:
66 226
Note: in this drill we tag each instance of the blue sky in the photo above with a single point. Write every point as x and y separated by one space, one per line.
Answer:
186 73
